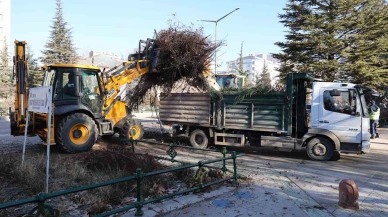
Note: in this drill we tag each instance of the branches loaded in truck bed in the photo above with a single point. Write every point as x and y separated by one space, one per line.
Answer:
185 54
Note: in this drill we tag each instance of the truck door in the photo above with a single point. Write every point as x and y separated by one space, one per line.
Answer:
339 112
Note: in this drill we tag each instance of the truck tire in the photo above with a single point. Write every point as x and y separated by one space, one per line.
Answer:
76 132
198 139
320 149
132 129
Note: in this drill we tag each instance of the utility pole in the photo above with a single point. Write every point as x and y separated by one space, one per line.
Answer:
215 40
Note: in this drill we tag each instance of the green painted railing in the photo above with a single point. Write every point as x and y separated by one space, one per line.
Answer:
43 209
172 153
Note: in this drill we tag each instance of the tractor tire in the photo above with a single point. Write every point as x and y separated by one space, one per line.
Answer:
320 149
198 139
75 133
131 129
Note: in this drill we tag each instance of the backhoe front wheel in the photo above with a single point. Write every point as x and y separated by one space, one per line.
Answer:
76 133
132 129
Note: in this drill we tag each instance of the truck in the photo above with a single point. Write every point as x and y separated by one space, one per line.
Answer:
321 118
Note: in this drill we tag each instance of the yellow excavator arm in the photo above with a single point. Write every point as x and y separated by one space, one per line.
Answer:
137 65
17 118
112 86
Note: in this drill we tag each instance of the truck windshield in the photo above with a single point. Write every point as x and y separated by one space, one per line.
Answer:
364 105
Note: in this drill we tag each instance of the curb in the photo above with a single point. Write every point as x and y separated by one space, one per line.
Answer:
382 129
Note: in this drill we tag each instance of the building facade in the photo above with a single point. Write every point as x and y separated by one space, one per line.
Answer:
101 60
253 64
5 26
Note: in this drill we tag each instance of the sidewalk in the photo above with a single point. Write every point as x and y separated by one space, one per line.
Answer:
266 194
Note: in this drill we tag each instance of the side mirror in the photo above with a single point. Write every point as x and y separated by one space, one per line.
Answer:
335 92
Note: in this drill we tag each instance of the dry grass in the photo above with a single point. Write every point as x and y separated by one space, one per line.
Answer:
69 171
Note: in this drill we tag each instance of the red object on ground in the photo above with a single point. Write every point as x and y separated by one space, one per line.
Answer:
348 194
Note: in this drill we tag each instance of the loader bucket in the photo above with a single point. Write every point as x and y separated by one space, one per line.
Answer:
154 59
150 52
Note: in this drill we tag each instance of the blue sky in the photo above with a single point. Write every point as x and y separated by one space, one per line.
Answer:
117 26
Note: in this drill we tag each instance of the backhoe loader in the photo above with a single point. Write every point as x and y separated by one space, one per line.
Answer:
85 104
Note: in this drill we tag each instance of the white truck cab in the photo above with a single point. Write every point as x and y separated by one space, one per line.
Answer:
339 110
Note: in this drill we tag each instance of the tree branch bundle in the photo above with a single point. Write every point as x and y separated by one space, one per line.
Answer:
185 54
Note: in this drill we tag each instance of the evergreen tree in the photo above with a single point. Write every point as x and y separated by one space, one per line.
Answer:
32 62
241 61
336 40
240 69
5 72
5 69
367 61
60 47
264 79
35 76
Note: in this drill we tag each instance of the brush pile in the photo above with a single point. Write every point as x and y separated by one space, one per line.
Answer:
185 54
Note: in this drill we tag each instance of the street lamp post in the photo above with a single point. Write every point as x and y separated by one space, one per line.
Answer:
215 40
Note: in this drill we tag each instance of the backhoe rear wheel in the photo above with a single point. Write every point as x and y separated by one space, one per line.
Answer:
76 132
132 129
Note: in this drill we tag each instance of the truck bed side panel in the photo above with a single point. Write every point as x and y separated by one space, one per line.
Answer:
188 108
259 112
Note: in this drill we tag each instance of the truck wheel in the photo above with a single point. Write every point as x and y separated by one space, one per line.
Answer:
132 129
76 133
198 139
320 148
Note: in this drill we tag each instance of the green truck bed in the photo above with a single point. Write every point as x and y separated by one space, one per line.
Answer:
259 112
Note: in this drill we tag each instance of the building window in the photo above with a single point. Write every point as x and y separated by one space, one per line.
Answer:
1 17
253 68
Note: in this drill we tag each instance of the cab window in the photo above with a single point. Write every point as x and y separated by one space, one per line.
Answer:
341 104
90 90
65 84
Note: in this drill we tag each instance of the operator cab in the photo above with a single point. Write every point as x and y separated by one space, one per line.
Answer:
230 80
74 87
